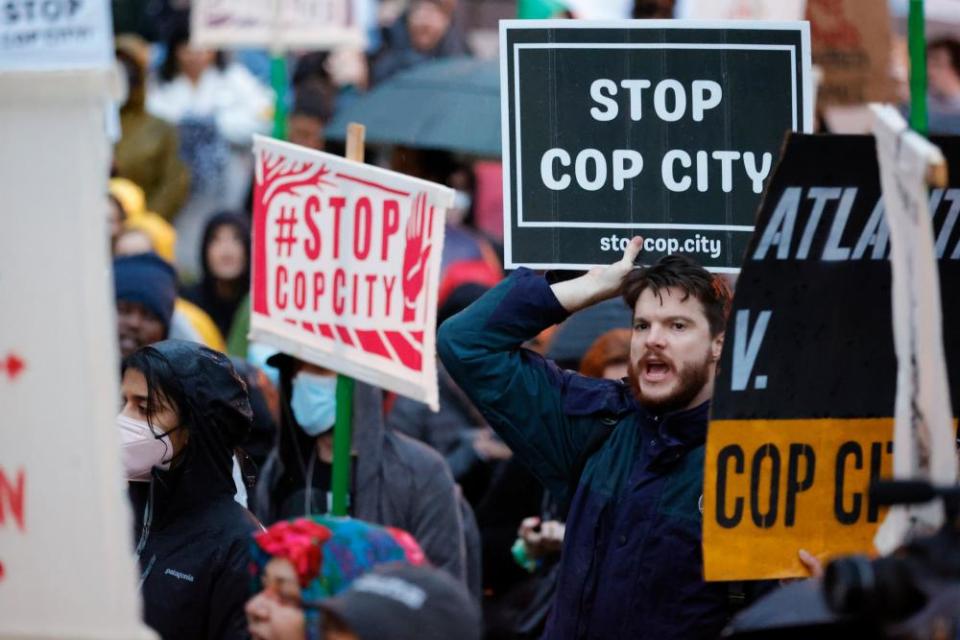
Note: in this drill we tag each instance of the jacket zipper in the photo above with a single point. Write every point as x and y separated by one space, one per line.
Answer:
145 530
146 572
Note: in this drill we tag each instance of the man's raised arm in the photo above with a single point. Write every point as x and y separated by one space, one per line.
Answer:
519 392
598 284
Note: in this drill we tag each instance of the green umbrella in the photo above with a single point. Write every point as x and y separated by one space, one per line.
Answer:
451 104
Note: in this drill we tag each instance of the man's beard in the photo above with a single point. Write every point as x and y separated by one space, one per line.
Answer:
691 378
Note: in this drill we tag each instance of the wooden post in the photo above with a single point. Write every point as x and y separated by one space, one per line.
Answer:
355 137
343 428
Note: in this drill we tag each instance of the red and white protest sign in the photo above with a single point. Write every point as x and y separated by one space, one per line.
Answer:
346 263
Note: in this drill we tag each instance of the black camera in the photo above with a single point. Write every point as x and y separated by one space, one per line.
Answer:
915 592
912 593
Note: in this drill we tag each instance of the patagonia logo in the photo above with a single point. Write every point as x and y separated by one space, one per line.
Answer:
178 575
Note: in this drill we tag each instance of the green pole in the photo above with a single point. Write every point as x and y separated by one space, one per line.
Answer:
278 80
342 439
343 427
539 9
918 68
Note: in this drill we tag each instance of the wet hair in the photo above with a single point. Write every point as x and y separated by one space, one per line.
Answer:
686 274
612 347
163 384
952 47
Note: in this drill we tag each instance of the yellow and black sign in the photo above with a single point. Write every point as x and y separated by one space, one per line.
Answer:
773 487
801 415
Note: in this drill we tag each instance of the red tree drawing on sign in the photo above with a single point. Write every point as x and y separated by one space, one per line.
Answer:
276 174
415 255
281 175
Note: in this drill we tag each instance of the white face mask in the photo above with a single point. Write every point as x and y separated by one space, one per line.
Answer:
141 449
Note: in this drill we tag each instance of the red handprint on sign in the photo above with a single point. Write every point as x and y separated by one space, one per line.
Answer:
415 255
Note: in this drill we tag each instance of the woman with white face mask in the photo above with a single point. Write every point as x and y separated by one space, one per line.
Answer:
184 411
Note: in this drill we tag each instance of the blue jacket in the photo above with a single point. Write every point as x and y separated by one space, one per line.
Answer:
632 564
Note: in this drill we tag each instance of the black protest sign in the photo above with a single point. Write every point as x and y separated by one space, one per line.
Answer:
803 408
667 129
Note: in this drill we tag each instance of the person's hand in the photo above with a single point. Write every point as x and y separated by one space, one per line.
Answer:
489 447
415 255
541 539
270 619
811 563
598 284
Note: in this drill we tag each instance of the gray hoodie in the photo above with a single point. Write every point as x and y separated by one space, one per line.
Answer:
399 482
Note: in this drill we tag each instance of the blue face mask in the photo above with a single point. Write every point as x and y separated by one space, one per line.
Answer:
314 402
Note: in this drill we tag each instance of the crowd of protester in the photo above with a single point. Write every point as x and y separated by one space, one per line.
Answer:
458 518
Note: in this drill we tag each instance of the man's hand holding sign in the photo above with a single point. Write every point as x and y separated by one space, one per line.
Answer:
803 410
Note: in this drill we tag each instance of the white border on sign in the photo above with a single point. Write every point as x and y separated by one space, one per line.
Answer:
304 154
640 45
272 34
544 266
802 26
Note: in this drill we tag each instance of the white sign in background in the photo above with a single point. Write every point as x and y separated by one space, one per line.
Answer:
346 266
740 9
315 24
67 568
42 35
924 438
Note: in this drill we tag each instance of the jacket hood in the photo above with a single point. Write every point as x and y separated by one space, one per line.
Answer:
289 459
134 52
218 417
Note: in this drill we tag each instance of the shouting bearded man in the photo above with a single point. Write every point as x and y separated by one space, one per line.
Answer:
627 457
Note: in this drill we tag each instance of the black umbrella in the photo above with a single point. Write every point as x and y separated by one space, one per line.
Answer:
451 104
797 610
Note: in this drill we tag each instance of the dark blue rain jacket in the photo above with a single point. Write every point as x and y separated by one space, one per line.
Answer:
632 564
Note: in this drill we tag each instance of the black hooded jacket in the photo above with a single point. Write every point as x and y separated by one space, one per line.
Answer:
193 544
